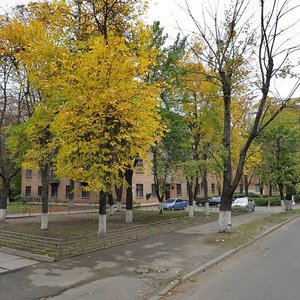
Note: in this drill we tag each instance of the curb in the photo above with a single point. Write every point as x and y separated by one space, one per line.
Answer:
27 254
215 261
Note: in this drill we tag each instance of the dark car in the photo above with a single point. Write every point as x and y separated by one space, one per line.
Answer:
213 201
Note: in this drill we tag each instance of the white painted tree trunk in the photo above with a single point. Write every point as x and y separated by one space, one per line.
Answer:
111 210
129 216
160 206
2 215
194 205
283 208
207 208
102 225
191 211
7 200
225 221
289 205
44 223
119 206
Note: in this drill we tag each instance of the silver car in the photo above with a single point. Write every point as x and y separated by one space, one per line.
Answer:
244 204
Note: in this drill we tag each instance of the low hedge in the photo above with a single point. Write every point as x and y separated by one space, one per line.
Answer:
25 199
274 201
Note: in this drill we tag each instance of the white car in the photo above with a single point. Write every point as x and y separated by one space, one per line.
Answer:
244 204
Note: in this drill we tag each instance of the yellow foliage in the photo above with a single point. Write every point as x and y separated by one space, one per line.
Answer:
97 110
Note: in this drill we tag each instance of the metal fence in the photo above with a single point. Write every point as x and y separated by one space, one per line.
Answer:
62 248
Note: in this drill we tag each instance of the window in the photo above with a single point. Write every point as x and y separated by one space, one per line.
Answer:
85 194
28 191
139 165
39 190
178 189
54 190
139 190
213 188
153 190
67 191
29 173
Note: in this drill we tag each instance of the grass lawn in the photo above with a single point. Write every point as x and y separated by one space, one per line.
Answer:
72 225
246 232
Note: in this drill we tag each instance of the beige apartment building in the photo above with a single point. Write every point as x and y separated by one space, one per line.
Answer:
143 184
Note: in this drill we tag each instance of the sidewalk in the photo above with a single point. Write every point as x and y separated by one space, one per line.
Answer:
128 272
9 262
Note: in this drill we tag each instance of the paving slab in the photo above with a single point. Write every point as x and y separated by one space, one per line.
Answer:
17 263
9 262
4 257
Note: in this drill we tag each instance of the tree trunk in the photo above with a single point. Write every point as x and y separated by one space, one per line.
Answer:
111 204
129 196
4 197
282 200
190 193
102 213
71 193
119 193
45 178
261 188
225 209
270 190
241 185
205 191
228 190
246 184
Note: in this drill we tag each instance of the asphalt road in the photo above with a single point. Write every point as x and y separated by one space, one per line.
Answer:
267 270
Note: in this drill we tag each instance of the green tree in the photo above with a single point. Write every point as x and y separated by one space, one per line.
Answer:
280 144
166 72
229 47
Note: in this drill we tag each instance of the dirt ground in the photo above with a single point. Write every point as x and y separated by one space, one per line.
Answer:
68 225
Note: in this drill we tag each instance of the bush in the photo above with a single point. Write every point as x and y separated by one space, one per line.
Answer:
253 195
26 199
238 195
241 195
274 201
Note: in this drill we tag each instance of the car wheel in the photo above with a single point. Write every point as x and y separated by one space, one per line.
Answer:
184 207
253 208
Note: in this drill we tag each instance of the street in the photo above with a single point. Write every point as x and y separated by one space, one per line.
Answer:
268 270
112 273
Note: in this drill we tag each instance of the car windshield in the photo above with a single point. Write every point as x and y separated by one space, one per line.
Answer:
215 198
241 201
170 200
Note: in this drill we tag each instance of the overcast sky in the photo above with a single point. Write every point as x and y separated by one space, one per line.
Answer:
173 18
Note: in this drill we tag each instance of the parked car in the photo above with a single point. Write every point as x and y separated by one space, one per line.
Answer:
175 203
213 201
243 204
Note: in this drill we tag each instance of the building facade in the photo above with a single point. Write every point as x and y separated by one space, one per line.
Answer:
143 184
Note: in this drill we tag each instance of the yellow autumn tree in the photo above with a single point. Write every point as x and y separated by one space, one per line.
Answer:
103 112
